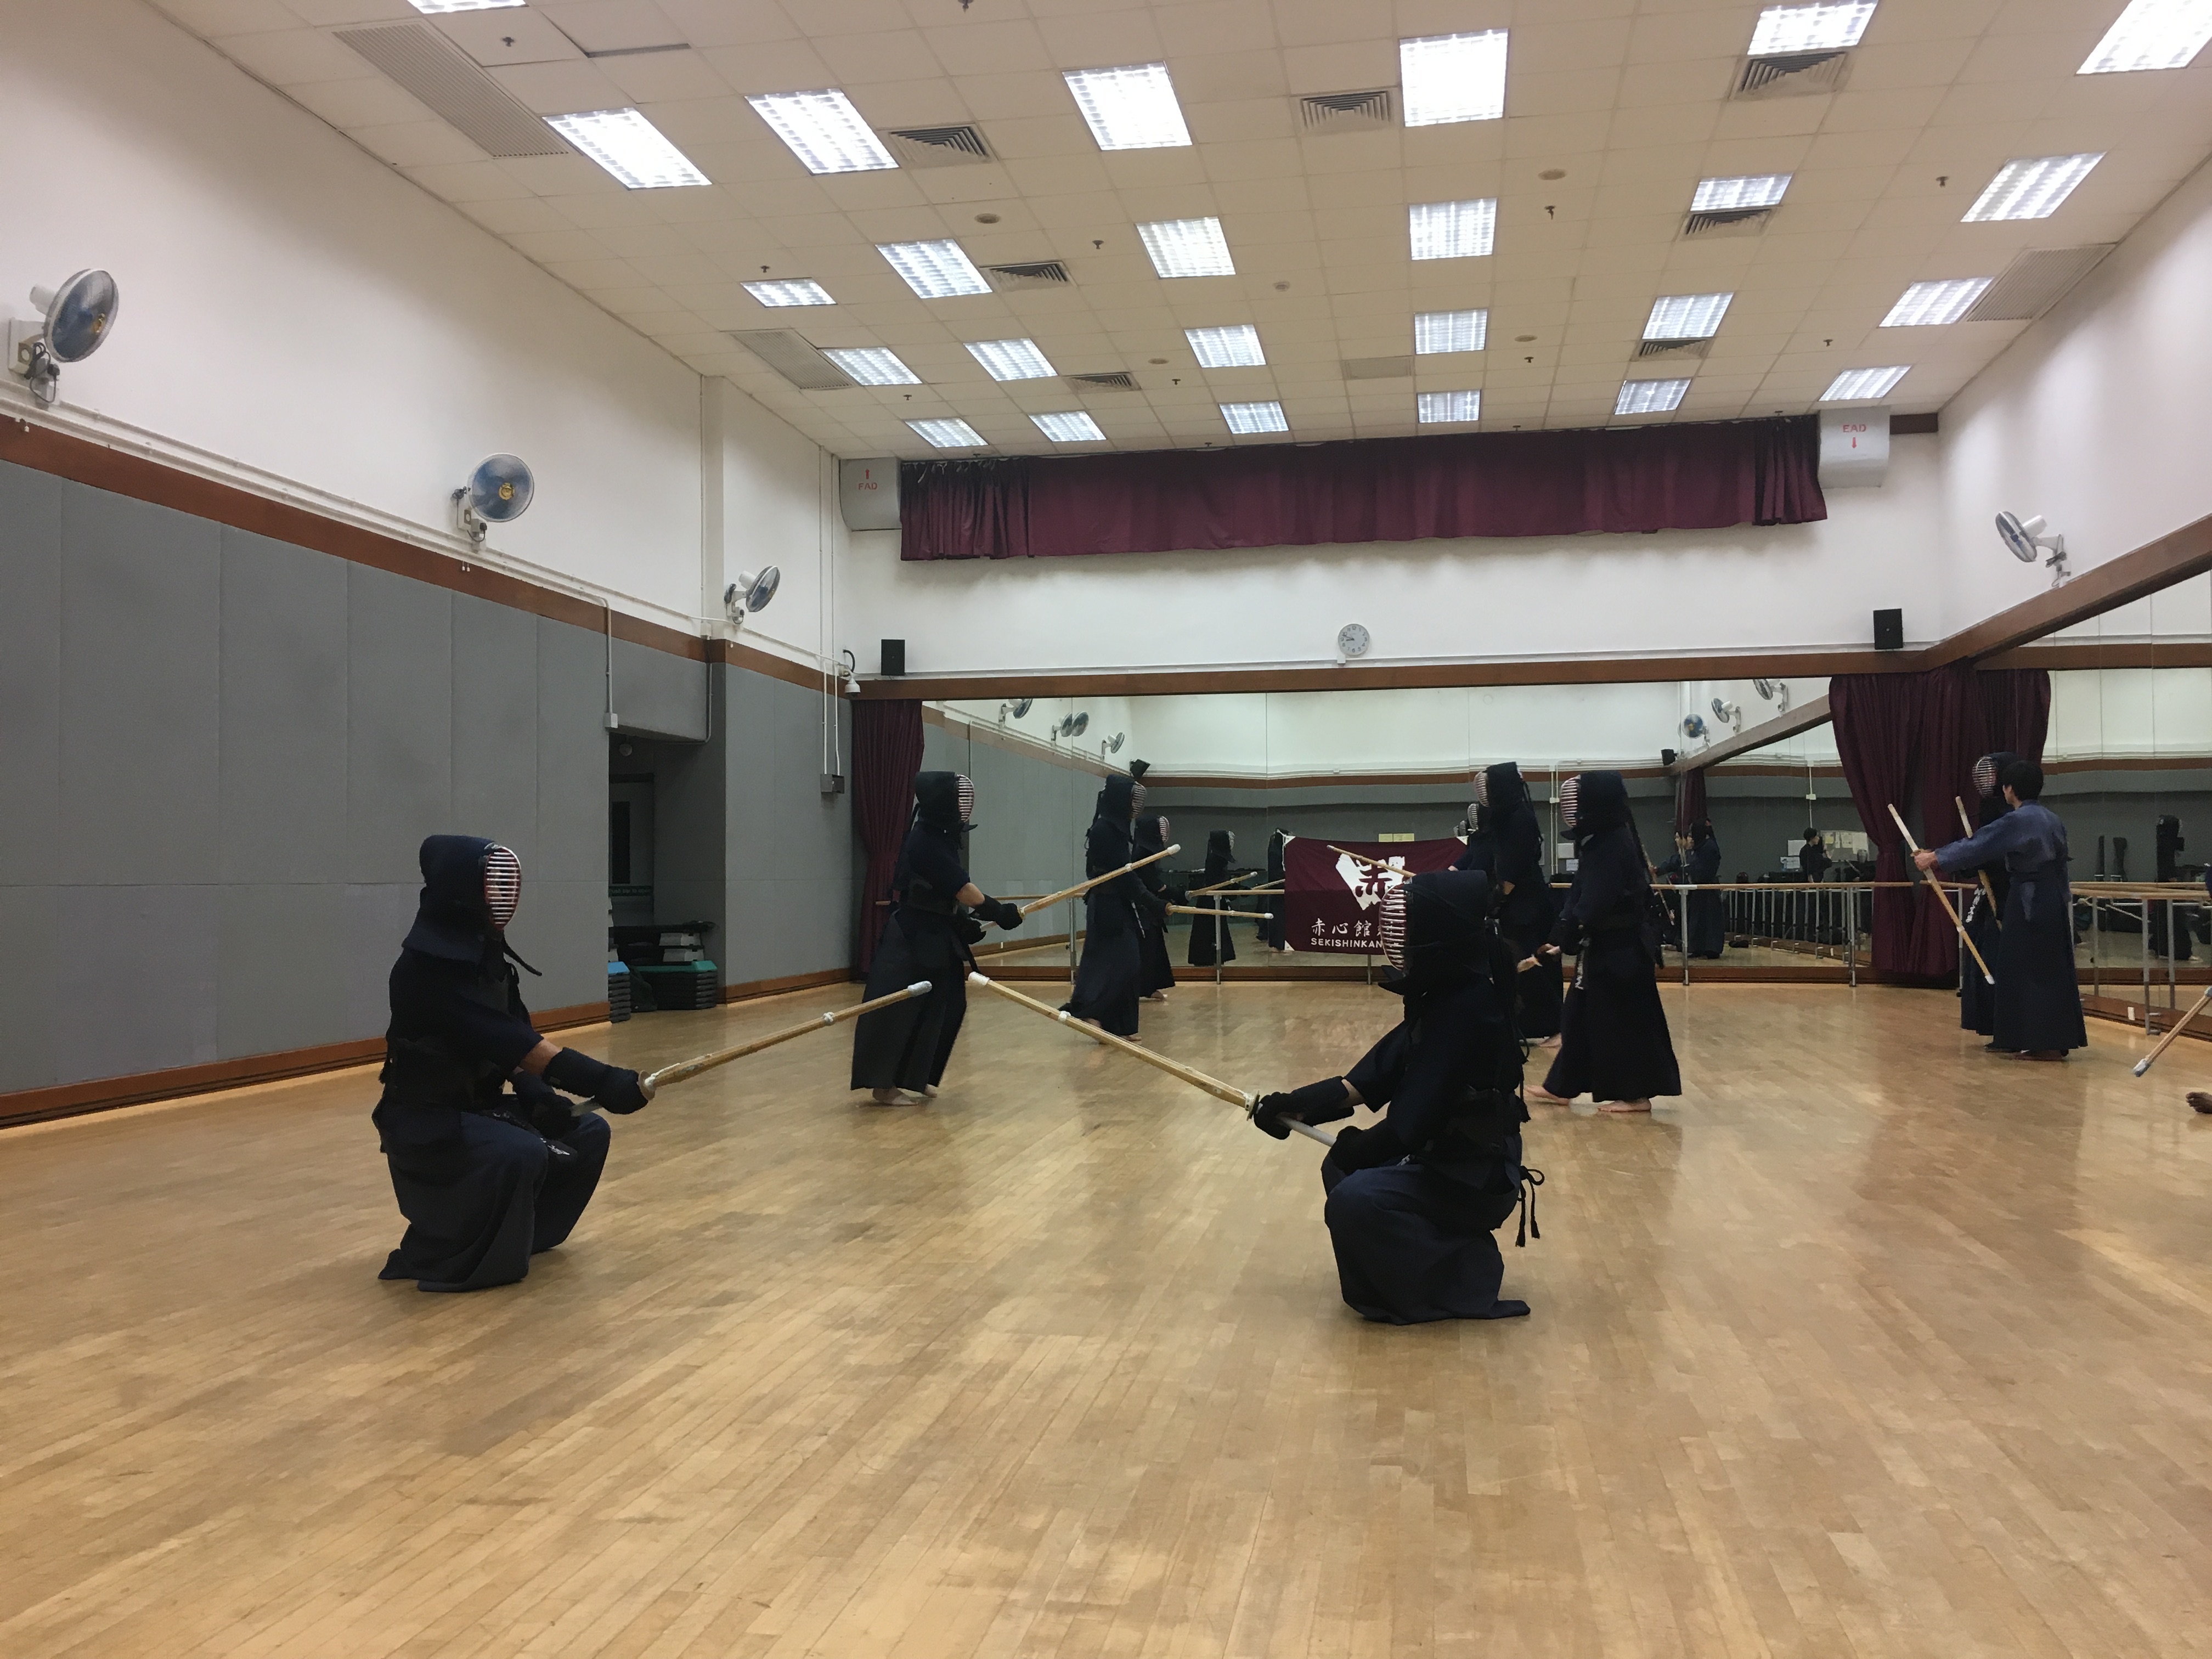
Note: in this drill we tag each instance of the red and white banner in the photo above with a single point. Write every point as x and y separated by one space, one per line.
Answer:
1330 901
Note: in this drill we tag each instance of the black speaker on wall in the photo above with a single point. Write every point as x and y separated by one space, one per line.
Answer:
894 656
1888 630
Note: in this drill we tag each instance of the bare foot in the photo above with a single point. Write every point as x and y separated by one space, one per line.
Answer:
1551 1041
1544 1097
887 1096
1624 1106
929 1090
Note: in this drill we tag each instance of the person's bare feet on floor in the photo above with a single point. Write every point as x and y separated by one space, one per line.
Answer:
1543 1097
1624 1105
1551 1041
890 1096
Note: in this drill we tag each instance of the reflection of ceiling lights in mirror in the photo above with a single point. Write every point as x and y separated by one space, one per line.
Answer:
1649 397
824 131
1254 418
935 271
1073 427
947 435
1010 359
1236 346
1686 316
1130 108
1453 77
1187 248
629 147
1929 305
1449 330
872 365
799 292
1452 230
2031 188
1826 26
1855 385
1757 190
2152 35
1432 408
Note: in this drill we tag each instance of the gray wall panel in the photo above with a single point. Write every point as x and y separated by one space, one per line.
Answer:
572 755
377 917
141 701
658 694
280 965
400 697
30 672
284 760
135 979
27 931
562 930
495 754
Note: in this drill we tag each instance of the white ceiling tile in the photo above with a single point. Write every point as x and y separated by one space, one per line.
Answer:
653 78
981 44
778 65
719 23
1349 66
289 58
212 19
1103 39
1223 77
509 35
559 89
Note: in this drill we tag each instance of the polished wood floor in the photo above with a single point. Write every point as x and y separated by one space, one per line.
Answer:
1869 1344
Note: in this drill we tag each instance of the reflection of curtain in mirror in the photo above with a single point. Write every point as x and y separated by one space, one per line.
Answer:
1689 799
886 755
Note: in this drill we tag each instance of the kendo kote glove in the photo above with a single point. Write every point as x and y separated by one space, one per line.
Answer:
610 1086
1366 1149
1316 1103
1004 914
551 1112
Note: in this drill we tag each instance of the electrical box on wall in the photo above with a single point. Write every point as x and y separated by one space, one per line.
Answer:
1854 447
867 494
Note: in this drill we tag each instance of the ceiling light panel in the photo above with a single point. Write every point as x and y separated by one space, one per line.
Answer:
1856 384
1926 305
1235 347
1010 359
1187 248
1452 230
1449 330
1453 77
1828 27
629 147
1649 397
1759 190
872 366
824 131
2152 35
1254 418
801 292
434 7
1686 316
947 435
1075 428
935 271
1130 108
2031 188
1436 407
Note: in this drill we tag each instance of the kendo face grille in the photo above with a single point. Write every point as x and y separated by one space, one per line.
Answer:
502 885
966 790
1391 925
1985 776
1570 794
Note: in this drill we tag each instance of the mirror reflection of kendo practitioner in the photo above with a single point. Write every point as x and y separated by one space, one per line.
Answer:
1524 889
937 912
1205 933
486 1178
1413 1200
1158 979
1110 979
1978 998
1481 850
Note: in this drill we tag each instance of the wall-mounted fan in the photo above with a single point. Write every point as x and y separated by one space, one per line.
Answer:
1112 745
1074 726
751 592
1729 714
1773 690
74 321
1016 709
2024 539
1693 726
498 492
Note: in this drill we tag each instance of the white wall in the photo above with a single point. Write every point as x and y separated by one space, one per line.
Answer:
777 507
294 304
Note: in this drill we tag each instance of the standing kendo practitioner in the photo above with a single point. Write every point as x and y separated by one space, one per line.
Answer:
1481 850
1220 849
937 912
1158 975
1524 889
1978 998
1613 1045
1270 930
1413 1200
490 1165
2038 1000
1117 914
1708 926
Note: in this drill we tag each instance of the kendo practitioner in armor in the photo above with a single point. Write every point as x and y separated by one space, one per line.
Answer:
1481 850
1708 911
1110 979
1524 890
489 1163
937 913
1220 850
1272 930
1158 979
2038 1000
1978 998
1413 1200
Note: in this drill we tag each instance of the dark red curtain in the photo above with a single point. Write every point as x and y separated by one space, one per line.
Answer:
886 755
1701 476
1689 799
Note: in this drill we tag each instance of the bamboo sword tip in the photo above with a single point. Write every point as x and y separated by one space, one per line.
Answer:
2142 1066
921 987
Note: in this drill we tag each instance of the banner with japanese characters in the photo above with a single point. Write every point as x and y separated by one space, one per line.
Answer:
1330 899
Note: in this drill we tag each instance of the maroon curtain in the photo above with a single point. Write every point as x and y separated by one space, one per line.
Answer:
1700 475
1689 799
886 755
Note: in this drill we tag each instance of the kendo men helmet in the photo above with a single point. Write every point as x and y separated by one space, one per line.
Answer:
502 884
1570 794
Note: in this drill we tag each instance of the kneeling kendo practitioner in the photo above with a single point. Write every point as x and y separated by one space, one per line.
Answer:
937 912
490 1165
1413 1200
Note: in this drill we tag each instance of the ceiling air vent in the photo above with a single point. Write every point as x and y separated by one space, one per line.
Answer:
419 58
1792 74
1119 381
1046 273
1727 221
790 354
1376 368
1326 112
1673 348
2034 282
938 146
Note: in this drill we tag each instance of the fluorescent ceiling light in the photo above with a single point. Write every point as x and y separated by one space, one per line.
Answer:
1254 418
802 292
1187 248
1453 77
824 131
2031 188
1439 406
1827 27
1010 359
1449 330
1076 428
1235 347
1925 305
2152 35
948 434
434 7
1854 384
935 271
1649 397
629 147
1686 316
873 365
1759 190
1452 230
1131 109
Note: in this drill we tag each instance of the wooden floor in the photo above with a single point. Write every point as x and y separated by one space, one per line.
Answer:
1869 1345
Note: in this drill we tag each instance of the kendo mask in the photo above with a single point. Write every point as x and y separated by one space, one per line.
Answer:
945 801
1434 927
502 884
470 886
1571 797
1989 770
